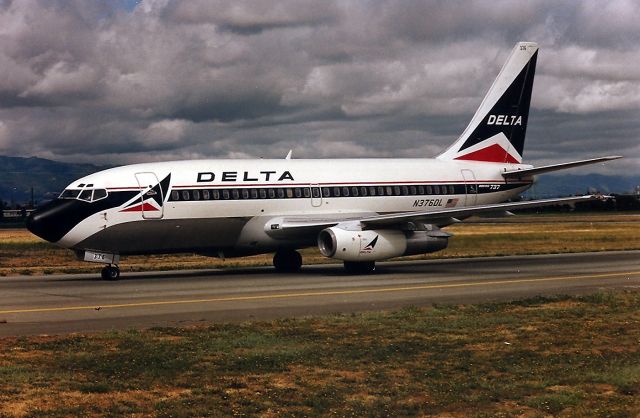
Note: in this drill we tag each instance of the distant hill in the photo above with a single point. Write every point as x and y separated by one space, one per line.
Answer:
568 184
48 178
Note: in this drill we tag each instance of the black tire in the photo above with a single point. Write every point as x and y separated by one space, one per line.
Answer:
287 261
110 273
359 267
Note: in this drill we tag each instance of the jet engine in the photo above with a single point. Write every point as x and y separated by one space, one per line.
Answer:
372 245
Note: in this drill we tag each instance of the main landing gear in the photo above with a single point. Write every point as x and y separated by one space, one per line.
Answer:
287 261
110 272
359 267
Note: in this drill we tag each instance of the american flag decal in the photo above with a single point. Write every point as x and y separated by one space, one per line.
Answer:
451 203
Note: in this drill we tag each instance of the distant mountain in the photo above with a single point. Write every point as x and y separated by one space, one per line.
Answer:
569 184
48 178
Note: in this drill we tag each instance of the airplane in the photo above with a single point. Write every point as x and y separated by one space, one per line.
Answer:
358 211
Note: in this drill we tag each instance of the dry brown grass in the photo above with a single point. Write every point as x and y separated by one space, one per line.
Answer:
556 356
23 253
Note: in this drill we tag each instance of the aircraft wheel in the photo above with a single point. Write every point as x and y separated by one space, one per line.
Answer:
359 267
287 261
110 273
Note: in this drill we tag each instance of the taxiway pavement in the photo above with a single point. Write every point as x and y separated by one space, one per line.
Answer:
85 303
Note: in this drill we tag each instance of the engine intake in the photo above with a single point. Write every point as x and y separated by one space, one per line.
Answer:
372 245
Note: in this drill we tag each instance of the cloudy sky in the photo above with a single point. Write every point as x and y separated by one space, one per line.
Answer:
116 82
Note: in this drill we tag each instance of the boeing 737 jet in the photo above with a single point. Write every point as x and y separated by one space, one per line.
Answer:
358 211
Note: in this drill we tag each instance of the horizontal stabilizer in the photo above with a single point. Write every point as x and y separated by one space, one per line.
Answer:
525 172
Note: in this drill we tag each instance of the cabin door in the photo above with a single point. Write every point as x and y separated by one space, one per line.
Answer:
471 187
151 197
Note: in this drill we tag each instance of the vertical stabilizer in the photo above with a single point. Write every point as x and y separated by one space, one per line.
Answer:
497 130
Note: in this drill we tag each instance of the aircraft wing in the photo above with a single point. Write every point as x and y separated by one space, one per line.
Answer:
297 226
444 217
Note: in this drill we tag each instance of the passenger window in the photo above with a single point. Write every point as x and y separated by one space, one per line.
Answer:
396 190
372 190
272 193
216 195
254 194
429 190
336 192
326 192
245 193
99 194
206 195
381 190
235 194
452 190
412 190
420 190
436 189
225 194
289 193
196 195
309 192
345 191
280 193
263 193
363 191
185 195
405 190
297 192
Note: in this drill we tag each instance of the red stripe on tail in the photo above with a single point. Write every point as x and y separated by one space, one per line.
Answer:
493 154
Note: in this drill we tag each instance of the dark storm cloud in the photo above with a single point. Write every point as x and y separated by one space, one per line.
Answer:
90 80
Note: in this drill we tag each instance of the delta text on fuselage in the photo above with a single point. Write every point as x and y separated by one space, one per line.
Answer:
248 176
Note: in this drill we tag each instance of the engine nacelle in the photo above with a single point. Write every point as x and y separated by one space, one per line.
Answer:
372 245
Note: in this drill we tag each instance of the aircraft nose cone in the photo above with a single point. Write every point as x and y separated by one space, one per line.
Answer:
49 221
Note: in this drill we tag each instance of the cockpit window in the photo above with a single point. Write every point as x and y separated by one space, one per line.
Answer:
70 194
86 194
99 194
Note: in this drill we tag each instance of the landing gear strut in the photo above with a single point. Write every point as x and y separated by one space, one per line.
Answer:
359 267
110 272
287 261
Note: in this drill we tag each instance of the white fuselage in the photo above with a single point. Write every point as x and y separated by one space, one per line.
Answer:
223 205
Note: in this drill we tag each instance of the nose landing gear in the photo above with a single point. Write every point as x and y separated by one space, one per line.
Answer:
110 272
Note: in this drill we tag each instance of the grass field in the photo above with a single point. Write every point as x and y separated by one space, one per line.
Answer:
22 253
561 356
557 356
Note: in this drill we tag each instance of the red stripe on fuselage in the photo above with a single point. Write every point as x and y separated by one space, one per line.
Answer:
142 207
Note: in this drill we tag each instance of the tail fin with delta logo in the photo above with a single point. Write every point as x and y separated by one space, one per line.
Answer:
497 131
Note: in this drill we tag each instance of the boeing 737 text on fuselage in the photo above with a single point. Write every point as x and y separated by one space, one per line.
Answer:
355 210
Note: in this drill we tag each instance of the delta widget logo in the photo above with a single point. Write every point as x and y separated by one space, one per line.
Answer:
369 247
